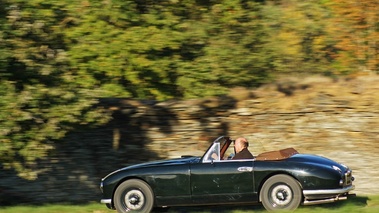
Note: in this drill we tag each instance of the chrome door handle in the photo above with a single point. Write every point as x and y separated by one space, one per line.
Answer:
245 169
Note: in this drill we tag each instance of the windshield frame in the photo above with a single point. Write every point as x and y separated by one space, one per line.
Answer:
218 147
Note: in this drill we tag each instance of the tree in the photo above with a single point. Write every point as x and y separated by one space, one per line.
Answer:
41 100
167 49
125 48
57 58
356 31
229 39
297 41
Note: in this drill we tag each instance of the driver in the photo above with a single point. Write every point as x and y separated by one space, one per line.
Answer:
240 148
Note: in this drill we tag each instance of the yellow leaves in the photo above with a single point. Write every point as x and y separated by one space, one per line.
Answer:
319 43
290 43
355 31
142 61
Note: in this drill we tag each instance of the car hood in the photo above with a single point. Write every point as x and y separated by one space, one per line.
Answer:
317 160
176 161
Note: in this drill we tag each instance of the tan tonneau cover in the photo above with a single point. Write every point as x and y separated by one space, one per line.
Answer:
277 155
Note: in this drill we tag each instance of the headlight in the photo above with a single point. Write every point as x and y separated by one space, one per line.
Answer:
341 182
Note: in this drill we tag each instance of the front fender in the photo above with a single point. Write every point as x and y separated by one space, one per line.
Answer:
312 177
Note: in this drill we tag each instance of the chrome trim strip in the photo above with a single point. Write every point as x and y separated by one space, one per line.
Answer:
106 201
328 191
101 186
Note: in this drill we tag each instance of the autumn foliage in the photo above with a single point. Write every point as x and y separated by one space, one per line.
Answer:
356 29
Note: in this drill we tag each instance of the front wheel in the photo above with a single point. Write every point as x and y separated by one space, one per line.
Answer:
281 192
133 196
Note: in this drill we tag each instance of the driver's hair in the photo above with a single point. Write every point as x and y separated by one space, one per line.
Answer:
244 142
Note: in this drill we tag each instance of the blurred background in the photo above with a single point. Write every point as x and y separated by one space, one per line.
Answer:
87 87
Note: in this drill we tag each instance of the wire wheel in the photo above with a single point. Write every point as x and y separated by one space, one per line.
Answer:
133 196
281 192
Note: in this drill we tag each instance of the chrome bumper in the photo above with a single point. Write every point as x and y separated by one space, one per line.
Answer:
328 191
326 195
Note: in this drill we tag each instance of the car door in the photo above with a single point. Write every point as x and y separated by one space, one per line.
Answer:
225 181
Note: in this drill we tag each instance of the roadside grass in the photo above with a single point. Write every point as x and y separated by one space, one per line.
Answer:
58 208
359 204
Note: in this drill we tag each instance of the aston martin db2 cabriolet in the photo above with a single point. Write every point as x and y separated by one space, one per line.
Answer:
280 180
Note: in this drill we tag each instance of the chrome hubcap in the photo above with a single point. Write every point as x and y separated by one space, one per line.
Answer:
134 200
281 195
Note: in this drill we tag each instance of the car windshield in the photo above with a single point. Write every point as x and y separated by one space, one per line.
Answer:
221 149
213 153
218 149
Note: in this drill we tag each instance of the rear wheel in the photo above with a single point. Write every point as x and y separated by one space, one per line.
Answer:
133 196
281 192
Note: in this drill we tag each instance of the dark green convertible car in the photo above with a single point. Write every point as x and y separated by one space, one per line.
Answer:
280 180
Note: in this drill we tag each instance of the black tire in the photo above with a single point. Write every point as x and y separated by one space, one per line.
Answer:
133 196
281 192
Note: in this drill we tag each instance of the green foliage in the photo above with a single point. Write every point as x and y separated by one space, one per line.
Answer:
40 101
116 46
57 58
297 40
229 54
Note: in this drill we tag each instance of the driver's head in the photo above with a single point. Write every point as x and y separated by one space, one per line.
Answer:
240 144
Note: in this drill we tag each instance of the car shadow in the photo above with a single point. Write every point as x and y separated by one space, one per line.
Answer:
359 201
